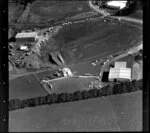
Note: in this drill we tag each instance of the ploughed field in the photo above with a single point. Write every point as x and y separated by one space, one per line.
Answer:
81 41
113 113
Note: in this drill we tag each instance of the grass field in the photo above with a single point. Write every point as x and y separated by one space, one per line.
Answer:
70 85
113 113
84 40
52 11
25 87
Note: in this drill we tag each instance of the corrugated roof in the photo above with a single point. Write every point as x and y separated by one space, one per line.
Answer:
120 73
26 35
120 64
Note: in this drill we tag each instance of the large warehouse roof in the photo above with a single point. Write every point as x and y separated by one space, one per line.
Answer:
26 35
123 73
120 64
117 4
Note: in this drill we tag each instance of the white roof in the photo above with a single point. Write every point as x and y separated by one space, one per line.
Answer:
116 73
120 64
26 35
118 4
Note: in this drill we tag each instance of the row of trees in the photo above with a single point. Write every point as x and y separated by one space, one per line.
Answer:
118 88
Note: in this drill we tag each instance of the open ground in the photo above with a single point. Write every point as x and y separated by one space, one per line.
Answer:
113 113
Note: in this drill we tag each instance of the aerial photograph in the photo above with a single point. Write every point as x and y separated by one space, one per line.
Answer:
75 65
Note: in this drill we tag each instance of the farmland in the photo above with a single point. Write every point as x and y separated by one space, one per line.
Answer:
78 42
25 87
54 11
71 84
113 113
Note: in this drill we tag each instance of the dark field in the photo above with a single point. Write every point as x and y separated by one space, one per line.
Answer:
25 87
84 40
52 11
113 113
138 14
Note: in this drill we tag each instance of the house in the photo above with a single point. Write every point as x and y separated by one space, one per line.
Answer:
120 72
117 4
27 36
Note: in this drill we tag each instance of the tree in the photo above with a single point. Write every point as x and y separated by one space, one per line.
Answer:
62 97
99 92
70 97
91 93
14 104
77 95
49 99
37 101
85 94
123 88
116 89
31 102
54 98
95 92
42 100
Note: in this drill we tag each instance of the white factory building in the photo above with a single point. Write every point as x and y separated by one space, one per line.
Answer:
120 4
26 36
120 72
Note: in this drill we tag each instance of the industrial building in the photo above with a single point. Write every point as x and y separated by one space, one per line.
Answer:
27 36
117 4
120 72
